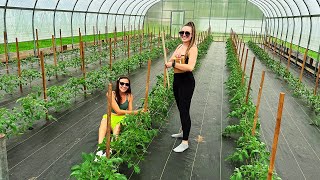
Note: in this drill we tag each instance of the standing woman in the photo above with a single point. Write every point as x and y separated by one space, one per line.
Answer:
183 61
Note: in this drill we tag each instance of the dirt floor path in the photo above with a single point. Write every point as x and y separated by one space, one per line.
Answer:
205 158
299 148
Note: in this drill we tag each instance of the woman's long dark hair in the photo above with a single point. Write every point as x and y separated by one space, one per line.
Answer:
193 38
118 97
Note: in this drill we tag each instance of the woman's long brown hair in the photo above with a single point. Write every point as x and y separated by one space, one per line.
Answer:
118 97
193 38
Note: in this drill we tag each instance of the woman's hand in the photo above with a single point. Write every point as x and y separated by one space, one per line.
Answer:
168 64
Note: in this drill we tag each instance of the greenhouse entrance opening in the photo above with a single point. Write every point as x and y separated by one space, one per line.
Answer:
176 21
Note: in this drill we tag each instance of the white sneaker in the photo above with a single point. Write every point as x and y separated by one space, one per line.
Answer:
179 135
182 147
100 154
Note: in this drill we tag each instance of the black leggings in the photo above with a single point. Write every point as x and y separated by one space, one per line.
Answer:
183 87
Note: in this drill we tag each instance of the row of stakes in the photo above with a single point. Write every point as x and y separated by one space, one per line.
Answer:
272 44
237 46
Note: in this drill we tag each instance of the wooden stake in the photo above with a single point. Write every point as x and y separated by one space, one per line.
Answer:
159 39
128 46
147 87
4 172
240 45
165 77
94 36
80 46
80 38
109 99
110 58
115 38
6 51
289 57
37 41
83 67
276 136
54 54
19 64
61 48
43 76
304 63
251 74
128 52
165 57
317 81
244 68
140 36
258 105
246 57
150 41
100 47
242 53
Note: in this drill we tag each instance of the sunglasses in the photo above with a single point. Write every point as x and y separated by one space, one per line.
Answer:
187 33
122 83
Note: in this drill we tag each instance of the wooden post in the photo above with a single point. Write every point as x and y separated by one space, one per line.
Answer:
80 38
289 57
94 36
128 46
246 57
165 57
274 47
19 64
109 99
258 105
165 77
240 45
147 87
115 38
100 47
110 58
6 51
251 74
141 36
317 81
4 171
244 68
61 48
242 54
159 39
128 52
304 63
276 136
54 53
83 67
43 77
150 41
37 41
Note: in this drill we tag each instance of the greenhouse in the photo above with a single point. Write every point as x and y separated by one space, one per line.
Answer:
159 89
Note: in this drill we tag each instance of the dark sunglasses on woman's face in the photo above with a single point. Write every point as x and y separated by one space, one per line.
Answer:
187 33
123 83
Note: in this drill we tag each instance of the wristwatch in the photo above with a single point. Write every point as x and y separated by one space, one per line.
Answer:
173 63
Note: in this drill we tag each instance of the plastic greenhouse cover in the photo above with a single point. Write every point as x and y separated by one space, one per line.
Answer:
95 5
114 9
66 4
126 5
106 6
45 4
21 3
82 5
295 7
